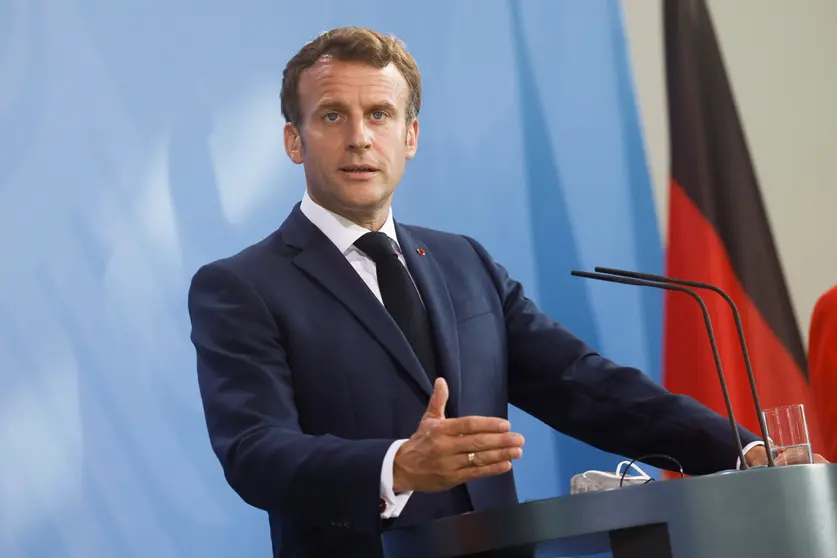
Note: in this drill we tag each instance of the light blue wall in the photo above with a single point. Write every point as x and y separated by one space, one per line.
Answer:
140 139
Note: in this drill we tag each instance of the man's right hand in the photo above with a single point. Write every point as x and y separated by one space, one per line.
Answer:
436 457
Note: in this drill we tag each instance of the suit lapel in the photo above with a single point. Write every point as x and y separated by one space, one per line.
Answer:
321 260
434 292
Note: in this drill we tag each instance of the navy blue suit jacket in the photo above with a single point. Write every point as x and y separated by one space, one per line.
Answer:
306 381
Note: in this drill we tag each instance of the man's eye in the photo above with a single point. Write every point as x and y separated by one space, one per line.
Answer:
331 116
379 115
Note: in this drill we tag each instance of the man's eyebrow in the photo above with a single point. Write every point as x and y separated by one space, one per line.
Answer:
339 105
386 105
331 104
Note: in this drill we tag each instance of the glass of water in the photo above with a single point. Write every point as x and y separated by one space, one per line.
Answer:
788 433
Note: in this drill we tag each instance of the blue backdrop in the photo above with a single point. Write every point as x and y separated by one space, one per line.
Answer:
140 139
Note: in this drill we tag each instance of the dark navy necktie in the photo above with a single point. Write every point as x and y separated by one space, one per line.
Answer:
401 298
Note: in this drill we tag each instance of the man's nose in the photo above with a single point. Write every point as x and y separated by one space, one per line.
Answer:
359 138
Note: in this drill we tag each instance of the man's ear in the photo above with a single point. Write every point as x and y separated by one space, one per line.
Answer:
412 138
293 143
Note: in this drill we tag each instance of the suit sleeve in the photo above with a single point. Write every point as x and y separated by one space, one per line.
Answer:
247 391
559 379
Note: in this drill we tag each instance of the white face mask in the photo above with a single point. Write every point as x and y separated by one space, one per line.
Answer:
595 481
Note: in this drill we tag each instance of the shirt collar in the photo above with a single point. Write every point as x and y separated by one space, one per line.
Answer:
342 232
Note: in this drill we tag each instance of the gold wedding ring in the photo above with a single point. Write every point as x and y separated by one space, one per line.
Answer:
471 459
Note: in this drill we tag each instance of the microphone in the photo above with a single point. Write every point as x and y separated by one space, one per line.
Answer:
707 321
738 326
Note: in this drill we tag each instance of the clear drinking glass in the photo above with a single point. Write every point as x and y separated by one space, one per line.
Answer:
787 430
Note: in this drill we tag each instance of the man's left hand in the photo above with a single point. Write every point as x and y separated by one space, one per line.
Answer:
757 456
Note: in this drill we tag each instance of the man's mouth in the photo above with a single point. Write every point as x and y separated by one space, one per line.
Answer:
359 169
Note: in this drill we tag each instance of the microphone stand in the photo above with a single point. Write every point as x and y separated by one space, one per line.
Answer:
707 321
738 326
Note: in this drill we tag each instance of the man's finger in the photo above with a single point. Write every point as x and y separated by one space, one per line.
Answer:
436 406
485 458
795 456
486 441
475 425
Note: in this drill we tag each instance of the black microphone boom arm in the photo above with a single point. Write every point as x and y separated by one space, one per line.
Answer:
738 326
707 321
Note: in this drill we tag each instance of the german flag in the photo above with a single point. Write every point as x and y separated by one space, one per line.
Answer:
718 232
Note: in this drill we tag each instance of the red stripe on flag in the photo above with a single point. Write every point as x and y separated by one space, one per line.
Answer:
696 252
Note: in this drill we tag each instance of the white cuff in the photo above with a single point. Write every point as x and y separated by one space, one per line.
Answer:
394 502
749 446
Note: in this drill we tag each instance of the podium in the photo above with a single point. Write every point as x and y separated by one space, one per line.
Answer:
778 511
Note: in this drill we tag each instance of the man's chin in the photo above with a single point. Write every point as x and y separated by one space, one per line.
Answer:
366 195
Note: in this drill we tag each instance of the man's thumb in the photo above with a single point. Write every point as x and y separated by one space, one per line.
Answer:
436 407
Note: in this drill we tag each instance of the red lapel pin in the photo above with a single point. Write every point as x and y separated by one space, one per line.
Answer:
420 251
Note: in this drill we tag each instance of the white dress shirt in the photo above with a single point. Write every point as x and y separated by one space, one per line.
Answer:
747 448
343 233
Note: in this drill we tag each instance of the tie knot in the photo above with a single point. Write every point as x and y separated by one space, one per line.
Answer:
376 245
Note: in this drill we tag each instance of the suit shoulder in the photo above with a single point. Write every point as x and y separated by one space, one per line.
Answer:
244 263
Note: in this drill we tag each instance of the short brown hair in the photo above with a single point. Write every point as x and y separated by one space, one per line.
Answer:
351 44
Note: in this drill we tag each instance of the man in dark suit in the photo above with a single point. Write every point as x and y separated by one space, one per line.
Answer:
356 372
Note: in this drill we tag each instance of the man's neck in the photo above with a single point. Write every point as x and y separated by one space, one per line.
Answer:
372 221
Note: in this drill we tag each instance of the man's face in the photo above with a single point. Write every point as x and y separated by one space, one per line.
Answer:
354 140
